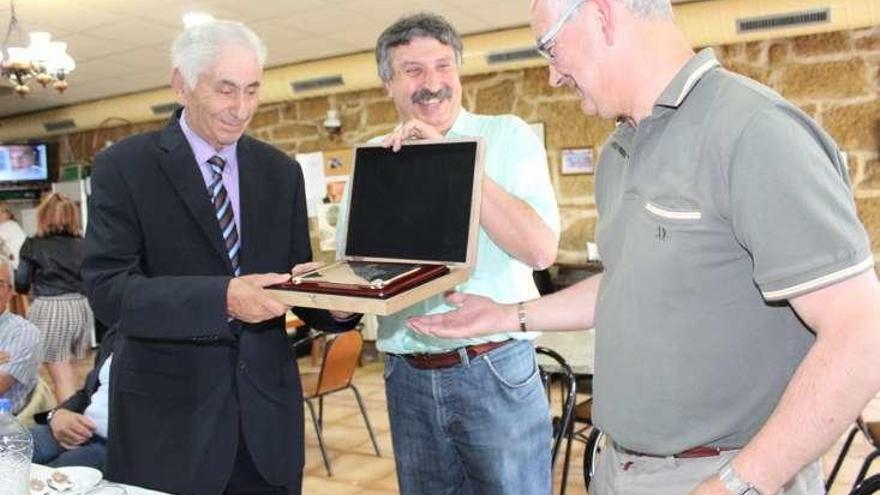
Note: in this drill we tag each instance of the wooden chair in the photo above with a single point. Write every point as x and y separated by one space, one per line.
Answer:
341 354
315 338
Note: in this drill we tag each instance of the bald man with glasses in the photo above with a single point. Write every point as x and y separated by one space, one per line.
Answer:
20 350
737 319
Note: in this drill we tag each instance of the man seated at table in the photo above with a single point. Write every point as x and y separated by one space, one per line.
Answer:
20 350
75 433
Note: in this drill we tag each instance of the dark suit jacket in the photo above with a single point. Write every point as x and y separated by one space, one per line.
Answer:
185 380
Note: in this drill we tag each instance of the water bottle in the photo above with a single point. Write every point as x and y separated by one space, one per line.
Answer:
16 450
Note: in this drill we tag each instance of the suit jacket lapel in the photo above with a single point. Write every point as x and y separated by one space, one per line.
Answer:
179 164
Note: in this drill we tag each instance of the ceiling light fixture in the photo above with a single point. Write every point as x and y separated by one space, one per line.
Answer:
42 60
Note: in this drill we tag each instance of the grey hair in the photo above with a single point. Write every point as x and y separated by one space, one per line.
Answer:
649 9
200 45
645 9
405 29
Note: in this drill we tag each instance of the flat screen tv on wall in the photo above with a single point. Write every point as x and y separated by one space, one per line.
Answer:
24 164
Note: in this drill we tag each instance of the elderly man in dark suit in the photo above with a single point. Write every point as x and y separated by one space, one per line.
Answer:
187 226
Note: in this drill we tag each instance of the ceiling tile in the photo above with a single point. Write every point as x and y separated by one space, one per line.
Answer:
136 31
500 14
84 47
61 17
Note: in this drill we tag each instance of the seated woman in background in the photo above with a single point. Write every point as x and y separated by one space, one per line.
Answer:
50 263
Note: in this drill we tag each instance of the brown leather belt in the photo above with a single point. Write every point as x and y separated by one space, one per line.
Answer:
701 451
451 358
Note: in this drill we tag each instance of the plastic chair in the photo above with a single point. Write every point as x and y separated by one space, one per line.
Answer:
341 355
562 426
871 430
41 400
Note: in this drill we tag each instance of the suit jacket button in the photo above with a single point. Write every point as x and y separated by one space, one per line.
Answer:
242 366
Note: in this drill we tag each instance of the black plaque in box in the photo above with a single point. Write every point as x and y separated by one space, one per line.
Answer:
413 219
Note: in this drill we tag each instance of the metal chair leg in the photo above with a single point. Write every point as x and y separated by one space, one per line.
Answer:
568 397
357 395
591 454
870 485
320 437
840 458
321 410
567 459
865 466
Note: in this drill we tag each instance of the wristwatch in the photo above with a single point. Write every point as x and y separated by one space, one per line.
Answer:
734 483
521 316
50 415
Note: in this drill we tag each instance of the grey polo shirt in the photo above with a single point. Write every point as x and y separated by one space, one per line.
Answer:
722 204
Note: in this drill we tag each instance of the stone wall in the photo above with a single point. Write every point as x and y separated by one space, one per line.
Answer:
835 77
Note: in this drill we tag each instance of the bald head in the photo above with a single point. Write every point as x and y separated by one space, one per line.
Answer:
645 9
616 55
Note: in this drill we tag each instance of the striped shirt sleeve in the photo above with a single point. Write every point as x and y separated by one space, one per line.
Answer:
21 340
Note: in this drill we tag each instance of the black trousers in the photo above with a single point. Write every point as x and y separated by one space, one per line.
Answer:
247 480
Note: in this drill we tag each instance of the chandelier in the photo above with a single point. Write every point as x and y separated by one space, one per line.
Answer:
42 60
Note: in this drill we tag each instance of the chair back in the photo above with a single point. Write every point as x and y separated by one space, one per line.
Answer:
341 356
563 427
41 400
19 304
871 430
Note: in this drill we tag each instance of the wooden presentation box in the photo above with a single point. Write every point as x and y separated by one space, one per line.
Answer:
413 220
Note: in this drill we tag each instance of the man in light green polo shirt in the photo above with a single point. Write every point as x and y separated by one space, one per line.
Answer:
737 320
454 404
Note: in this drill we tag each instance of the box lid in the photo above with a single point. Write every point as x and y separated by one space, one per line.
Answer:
420 204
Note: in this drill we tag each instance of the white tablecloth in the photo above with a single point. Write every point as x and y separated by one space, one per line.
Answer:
108 488
104 488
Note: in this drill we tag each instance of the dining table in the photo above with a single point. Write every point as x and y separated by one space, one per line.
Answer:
103 487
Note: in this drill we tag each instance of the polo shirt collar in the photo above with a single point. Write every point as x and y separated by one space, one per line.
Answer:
460 126
688 77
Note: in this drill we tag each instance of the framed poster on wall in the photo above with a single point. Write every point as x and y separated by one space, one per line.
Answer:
577 161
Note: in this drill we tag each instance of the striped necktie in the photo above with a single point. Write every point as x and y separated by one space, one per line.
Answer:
223 210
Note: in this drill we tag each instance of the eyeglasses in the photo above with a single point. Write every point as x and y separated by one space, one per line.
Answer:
545 43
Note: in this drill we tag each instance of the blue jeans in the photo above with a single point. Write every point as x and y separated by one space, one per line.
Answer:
47 451
481 427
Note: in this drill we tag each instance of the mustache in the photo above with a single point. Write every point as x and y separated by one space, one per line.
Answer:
426 94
